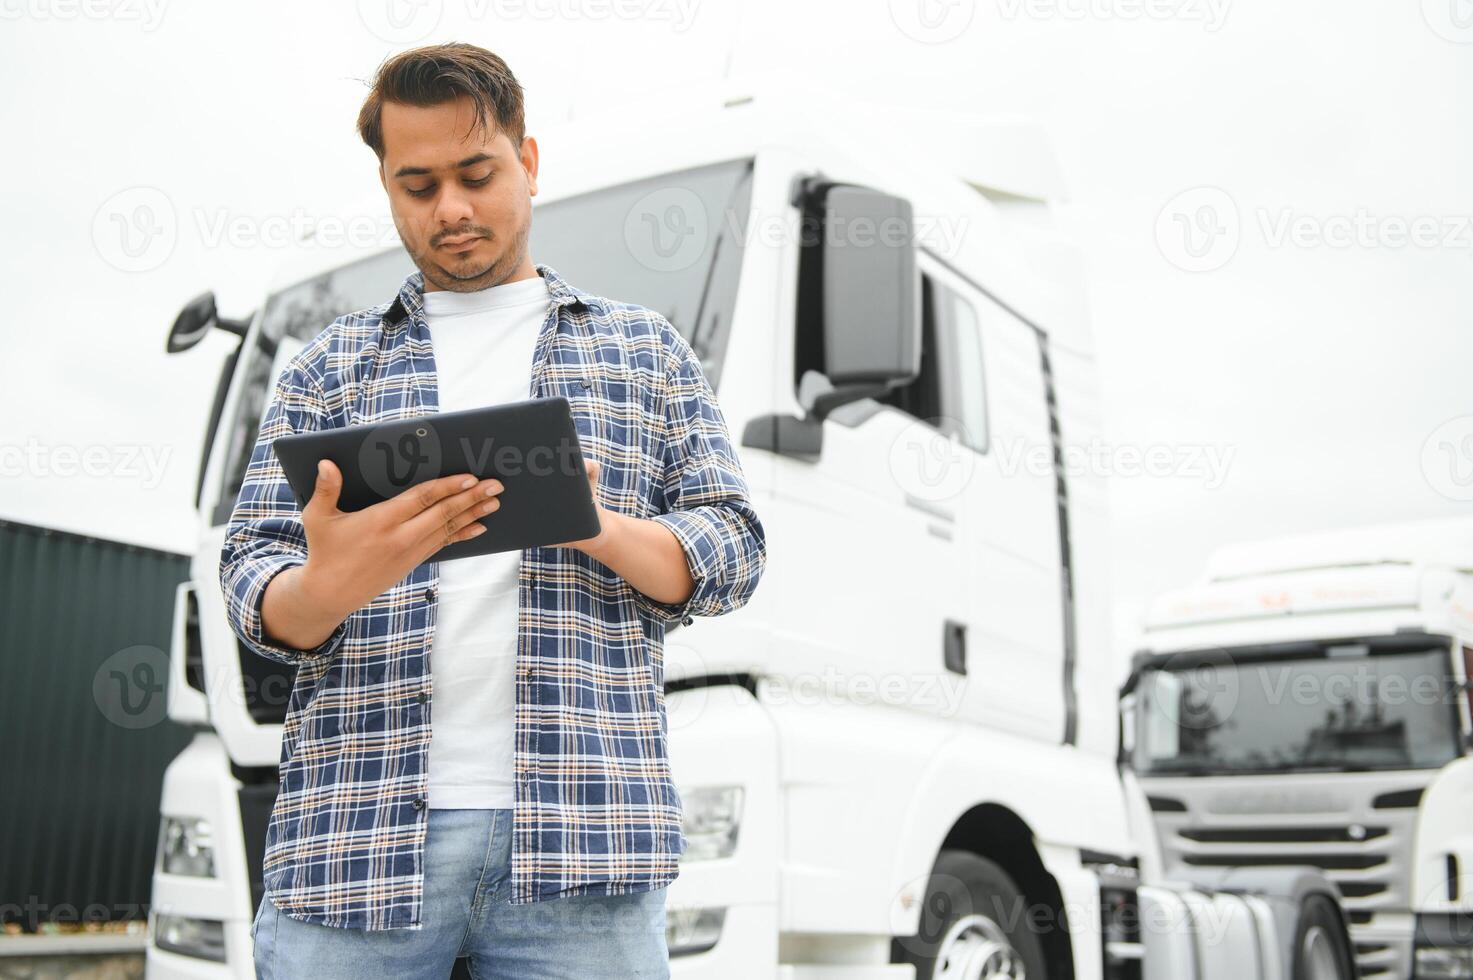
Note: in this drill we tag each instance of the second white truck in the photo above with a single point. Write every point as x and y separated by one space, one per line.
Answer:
1308 701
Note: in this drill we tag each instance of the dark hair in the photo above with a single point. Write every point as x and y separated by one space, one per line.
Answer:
438 73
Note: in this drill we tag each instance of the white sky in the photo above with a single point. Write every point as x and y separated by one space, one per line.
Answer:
1322 368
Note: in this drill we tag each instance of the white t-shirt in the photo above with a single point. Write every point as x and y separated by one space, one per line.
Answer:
483 343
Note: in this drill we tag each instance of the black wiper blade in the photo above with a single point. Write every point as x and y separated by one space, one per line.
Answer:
1184 771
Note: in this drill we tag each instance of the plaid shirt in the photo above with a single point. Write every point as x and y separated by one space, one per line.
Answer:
596 809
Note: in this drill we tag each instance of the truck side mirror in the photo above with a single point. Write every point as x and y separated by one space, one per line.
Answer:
1127 726
195 320
871 294
859 290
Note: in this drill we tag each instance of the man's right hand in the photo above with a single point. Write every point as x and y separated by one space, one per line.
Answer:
352 557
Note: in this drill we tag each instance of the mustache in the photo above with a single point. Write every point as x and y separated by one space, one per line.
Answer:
444 235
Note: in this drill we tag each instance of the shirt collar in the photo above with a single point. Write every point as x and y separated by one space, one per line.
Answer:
410 301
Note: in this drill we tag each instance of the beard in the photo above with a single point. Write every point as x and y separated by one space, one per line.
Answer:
470 273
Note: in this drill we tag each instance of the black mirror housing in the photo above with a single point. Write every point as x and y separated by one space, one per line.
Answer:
195 320
871 288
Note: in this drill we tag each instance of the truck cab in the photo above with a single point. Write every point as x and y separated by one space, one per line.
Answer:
909 736
1308 701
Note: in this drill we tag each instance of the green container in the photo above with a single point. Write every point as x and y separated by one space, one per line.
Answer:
85 629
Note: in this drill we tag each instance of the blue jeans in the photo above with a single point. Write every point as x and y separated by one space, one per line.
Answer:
467 912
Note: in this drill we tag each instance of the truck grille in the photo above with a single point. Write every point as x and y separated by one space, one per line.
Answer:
1352 829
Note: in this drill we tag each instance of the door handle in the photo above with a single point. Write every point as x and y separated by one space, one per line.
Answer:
928 507
954 646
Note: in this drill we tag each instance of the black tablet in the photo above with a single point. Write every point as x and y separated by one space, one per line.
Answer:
531 446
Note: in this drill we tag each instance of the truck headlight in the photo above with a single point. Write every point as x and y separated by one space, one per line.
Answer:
713 815
187 847
201 938
1444 964
690 931
1444 947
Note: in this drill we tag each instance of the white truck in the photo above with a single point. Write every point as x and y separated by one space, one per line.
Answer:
1308 700
901 758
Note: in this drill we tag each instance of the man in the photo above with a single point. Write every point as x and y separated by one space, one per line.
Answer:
537 832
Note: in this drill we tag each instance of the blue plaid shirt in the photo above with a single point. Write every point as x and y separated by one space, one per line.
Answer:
596 809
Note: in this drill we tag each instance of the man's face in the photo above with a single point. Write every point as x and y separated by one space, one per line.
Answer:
462 202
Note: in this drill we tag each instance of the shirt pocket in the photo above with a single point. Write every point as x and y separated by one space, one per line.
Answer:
608 388
606 403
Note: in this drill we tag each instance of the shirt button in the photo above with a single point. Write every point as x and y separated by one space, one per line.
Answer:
418 804
687 621
429 595
421 697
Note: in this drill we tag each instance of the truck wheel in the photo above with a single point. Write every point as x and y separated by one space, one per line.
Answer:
974 925
1321 949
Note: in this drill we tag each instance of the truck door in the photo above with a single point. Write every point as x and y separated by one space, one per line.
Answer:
996 400
877 517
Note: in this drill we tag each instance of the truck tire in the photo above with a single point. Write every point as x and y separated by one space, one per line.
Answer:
974 924
1321 946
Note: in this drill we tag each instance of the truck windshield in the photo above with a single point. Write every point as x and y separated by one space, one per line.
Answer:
672 243
1337 708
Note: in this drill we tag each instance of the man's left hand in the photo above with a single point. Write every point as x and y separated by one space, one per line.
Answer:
607 520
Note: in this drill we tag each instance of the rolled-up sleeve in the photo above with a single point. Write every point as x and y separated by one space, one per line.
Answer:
706 503
265 536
